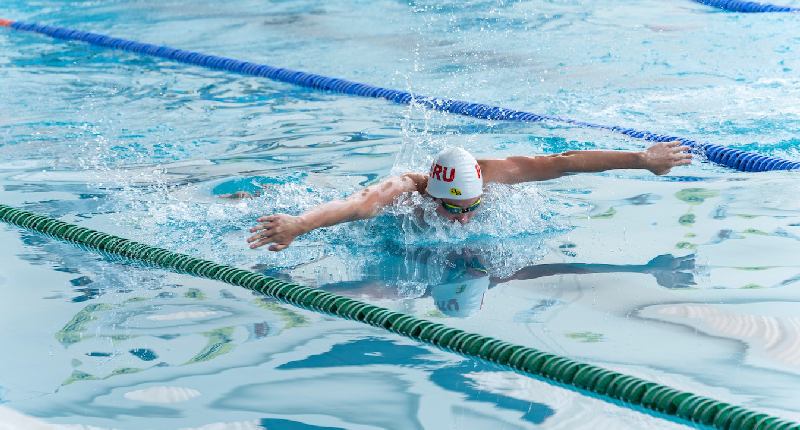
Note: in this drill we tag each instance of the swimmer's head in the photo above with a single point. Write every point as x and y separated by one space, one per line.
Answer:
455 180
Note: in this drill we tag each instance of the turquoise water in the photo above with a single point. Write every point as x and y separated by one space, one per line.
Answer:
689 279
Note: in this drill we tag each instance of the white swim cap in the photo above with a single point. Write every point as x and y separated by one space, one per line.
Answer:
462 298
455 174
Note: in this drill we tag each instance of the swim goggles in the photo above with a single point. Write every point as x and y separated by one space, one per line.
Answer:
454 209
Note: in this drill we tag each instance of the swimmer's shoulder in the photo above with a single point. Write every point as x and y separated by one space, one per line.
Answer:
415 181
497 170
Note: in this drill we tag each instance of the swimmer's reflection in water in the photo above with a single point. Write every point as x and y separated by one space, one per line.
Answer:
458 282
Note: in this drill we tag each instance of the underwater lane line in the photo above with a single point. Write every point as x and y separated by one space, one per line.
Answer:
728 157
615 387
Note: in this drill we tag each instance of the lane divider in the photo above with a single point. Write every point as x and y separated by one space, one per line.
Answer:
582 377
733 158
747 6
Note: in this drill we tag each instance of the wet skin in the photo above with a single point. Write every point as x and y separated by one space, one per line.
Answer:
279 230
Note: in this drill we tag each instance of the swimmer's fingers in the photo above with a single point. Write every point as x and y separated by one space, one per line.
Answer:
267 240
259 236
263 226
268 218
260 242
680 159
267 222
683 148
279 229
237 195
680 156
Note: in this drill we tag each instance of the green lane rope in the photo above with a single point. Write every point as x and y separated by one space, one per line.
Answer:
602 382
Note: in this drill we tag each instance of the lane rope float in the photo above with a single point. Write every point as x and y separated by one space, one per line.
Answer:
728 157
582 377
747 6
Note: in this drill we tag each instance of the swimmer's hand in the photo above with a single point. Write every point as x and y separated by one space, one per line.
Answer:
238 195
662 157
279 230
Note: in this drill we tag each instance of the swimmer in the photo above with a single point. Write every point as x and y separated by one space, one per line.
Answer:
456 182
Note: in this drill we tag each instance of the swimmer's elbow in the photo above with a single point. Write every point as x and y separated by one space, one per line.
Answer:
367 208
369 202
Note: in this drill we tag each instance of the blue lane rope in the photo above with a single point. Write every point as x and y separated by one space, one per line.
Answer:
747 6
733 158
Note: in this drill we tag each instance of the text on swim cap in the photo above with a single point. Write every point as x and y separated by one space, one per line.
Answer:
478 169
450 305
440 173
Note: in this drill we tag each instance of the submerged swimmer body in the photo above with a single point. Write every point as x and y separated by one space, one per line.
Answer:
456 181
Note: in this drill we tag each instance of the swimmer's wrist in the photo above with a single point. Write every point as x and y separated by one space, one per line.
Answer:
306 224
641 160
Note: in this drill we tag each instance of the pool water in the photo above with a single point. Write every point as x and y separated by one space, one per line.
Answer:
690 279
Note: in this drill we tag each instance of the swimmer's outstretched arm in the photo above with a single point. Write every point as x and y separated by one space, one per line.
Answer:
281 229
659 159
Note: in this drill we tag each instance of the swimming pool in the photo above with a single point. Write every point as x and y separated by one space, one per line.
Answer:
594 267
